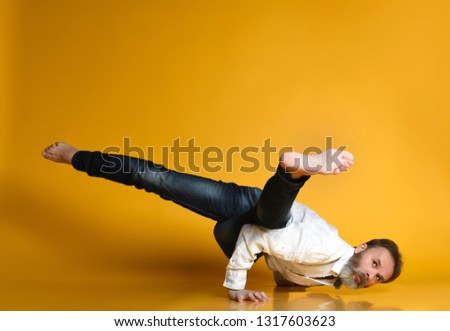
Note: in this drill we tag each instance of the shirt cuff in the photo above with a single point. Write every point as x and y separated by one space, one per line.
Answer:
235 279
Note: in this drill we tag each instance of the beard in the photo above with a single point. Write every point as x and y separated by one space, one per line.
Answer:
350 274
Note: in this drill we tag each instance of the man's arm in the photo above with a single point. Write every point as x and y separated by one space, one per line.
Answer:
249 244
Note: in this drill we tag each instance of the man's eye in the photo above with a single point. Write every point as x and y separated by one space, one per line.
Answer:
374 263
378 278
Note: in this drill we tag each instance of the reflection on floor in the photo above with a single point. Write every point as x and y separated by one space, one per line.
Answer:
207 295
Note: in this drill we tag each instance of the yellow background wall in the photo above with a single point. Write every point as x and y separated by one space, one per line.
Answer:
371 74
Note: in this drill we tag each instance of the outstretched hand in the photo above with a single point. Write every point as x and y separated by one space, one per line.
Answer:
241 295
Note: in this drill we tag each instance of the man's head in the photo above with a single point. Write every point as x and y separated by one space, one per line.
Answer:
376 261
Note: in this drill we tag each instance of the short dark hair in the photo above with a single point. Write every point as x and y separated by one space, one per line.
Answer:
393 249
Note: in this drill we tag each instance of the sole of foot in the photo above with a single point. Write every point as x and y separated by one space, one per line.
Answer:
329 162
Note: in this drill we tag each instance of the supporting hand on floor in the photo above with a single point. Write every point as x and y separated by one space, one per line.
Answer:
241 295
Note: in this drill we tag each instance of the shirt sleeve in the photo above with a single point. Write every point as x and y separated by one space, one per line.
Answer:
250 243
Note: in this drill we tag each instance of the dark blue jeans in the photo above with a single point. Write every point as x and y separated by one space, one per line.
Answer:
229 204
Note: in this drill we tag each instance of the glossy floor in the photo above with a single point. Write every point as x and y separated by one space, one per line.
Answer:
205 294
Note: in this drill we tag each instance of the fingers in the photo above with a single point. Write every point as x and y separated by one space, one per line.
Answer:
252 297
240 297
263 297
243 295
257 296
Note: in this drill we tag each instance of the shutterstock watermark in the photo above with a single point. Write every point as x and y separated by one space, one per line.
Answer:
189 157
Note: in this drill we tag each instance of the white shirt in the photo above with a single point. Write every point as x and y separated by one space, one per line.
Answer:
306 248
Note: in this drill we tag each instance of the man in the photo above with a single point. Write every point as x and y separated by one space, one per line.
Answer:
299 247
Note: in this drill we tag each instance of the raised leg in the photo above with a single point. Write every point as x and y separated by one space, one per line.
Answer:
274 205
214 199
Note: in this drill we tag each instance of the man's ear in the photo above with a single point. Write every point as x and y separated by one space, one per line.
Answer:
360 248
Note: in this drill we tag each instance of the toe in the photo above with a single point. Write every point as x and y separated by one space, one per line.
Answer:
347 155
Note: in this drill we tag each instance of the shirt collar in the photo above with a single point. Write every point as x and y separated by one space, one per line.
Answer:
337 267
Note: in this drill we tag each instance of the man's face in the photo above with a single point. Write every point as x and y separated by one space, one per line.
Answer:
368 267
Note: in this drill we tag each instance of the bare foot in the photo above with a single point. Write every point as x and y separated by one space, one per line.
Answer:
60 152
332 161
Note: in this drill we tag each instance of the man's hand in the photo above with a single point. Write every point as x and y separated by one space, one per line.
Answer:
241 295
